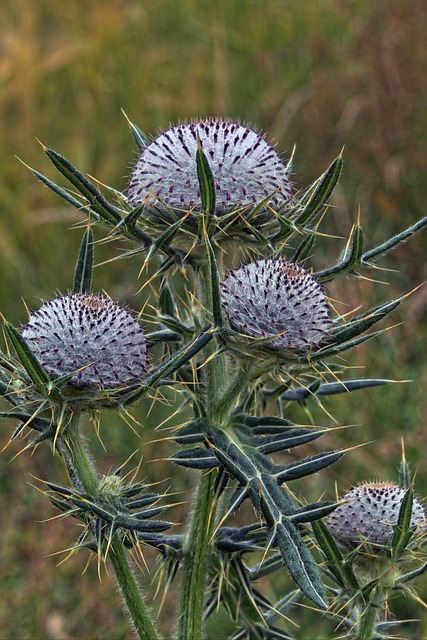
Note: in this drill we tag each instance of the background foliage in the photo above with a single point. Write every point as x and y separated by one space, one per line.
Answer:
318 75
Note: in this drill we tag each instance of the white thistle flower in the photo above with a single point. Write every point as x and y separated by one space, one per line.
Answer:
278 298
369 513
245 167
91 336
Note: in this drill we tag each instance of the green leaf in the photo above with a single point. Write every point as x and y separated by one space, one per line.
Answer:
402 529
141 140
300 563
393 242
288 440
313 512
308 466
408 577
254 472
97 201
333 388
405 478
304 250
83 272
196 458
177 360
318 198
339 348
363 322
206 182
341 570
351 258
65 195
31 365
214 285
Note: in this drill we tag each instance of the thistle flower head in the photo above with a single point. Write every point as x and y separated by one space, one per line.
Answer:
246 169
370 512
278 298
91 336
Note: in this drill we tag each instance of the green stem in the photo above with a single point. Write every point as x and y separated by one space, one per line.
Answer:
197 545
366 630
86 475
130 591
196 556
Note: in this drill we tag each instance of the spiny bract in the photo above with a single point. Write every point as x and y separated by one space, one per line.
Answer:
89 335
276 297
369 513
246 170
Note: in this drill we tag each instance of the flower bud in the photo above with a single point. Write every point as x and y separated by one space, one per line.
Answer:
369 513
277 298
246 170
91 336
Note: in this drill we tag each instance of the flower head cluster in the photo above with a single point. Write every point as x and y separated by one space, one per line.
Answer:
277 298
369 513
246 169
90 336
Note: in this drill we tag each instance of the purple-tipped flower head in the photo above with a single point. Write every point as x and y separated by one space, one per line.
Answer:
278 298
245 167
369 513
91 336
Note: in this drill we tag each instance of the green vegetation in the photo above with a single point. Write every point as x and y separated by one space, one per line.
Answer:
315 75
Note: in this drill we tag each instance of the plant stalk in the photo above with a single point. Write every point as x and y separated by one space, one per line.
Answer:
196 557
85 473
196 548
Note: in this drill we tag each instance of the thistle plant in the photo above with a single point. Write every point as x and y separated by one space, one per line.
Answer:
246 330
372 545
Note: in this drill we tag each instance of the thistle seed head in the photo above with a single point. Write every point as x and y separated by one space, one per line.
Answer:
275 297
369 513
246 169
91 336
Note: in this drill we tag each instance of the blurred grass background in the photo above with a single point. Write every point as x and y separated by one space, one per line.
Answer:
316 74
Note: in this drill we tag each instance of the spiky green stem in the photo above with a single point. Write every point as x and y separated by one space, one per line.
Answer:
85 472
130 591
366 630
196 557
197 545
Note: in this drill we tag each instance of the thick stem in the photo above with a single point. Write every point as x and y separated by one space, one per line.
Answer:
84 471
197 545
366 627
196 557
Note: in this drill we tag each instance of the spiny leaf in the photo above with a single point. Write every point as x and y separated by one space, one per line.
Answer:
313 512
171 365
32 366
339 348
97 201
333 388
65 195
141 140
351 258
402 529
281 442
308 466
206 182
342 571
300 564
363 322
393 242
303 251
83 272
214 285
196 458
322 192
408 577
